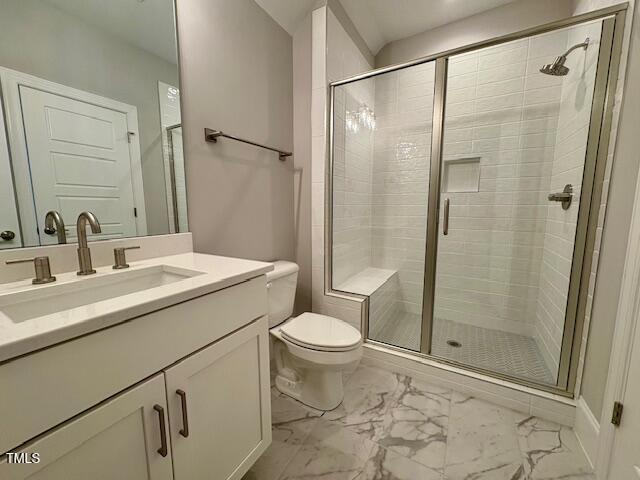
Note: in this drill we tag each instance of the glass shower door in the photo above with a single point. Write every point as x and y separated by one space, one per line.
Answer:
382 128
514 152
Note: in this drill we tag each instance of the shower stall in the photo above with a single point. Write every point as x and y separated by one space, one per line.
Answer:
463 195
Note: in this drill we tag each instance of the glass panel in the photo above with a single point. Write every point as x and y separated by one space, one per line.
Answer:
381 154
512 137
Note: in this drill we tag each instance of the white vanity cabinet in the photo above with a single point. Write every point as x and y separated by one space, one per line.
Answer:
181 393
118 439
219 412
216 424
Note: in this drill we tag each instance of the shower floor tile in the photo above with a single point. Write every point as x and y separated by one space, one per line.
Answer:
494 350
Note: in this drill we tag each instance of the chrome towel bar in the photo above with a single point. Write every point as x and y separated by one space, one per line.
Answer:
211 135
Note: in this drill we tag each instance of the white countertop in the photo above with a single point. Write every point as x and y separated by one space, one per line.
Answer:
216 273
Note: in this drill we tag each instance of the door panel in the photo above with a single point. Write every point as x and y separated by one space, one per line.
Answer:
382 129
118 439
224 390
79 160
514 141
625 464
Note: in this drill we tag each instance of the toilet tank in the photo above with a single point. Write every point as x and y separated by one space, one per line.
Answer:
281 291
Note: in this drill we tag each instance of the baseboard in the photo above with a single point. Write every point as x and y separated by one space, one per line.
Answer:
523 399
587 430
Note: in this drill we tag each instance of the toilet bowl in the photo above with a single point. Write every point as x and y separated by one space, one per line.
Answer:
310 351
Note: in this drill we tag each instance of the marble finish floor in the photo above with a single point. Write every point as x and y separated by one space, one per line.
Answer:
394 427
487 348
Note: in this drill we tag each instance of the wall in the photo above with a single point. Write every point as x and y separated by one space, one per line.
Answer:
568 165
237 69
503 112
492 23
35 33
352 180
334 56
390 226
402 152
613 228
302 161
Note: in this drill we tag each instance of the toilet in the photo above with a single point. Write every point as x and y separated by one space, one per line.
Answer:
310 351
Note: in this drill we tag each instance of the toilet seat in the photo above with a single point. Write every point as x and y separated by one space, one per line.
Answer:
321 332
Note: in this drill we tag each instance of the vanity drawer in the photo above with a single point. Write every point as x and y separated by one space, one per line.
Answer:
43 389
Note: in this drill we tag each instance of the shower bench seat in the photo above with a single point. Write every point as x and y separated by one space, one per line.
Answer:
382 287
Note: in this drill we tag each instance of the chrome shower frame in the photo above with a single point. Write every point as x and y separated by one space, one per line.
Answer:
613 24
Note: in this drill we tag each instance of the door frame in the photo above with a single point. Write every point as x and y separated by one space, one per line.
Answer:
597 149
626 322
11 81
8 183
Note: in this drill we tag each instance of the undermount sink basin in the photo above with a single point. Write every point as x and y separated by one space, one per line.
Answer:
57 298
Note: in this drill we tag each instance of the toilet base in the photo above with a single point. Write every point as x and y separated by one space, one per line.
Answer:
313 377
319 389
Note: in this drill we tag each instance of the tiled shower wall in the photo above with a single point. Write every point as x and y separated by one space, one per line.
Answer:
568 165
334 56
401 156
352 151
501 110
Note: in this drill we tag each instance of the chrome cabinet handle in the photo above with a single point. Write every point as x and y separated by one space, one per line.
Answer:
445 222
185 416
7 235
163 431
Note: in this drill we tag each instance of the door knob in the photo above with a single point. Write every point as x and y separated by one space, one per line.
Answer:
7 235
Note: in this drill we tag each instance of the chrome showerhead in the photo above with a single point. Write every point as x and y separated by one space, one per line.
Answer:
557 68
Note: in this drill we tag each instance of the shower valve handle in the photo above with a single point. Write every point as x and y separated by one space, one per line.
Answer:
565 196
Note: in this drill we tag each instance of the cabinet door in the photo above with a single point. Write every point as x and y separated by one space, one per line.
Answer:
219 406
119 439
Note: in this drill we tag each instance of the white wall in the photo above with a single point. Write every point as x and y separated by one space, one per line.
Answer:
334 56
483 26
237 70
568 165
302 161
615 214
501 110
352 183
402 152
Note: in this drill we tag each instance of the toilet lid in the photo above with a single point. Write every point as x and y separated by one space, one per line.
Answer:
321 332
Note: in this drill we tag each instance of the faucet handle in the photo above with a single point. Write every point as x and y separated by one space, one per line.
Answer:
43 269
119 257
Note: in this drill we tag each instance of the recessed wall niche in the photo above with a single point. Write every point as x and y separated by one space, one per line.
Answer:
461 175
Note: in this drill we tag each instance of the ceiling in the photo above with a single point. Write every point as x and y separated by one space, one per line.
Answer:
147 24
288 13
382 21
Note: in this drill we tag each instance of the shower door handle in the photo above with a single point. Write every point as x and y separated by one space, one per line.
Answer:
445 221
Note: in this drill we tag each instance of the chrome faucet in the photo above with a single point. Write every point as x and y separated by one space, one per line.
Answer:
84 254
53 223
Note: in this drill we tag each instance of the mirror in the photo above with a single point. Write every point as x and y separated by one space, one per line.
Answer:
89 119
